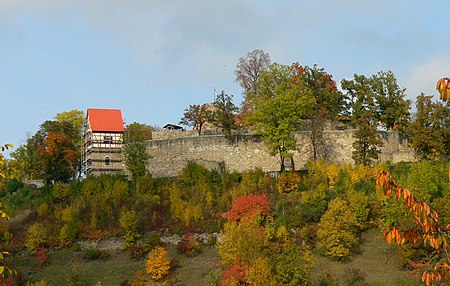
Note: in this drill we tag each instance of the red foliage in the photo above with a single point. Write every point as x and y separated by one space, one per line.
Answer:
6 281
42 254
234 273
248 207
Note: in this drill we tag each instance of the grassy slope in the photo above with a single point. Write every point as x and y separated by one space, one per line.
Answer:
376 260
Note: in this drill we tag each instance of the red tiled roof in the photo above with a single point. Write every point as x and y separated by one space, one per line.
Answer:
109 120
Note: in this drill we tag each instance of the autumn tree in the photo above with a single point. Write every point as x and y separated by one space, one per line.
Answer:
51 154
429 132
428 229
135 149
222 114
248 70
280 103
254 251
328 104
6 271
195 116
336 231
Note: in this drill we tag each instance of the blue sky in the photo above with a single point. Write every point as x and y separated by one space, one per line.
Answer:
151 59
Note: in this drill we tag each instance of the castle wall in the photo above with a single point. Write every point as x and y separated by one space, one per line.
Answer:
245 152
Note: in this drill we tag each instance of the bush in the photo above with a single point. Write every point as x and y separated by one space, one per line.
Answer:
95 254
37 237
152 242
129 223
158 264
189 245
139 279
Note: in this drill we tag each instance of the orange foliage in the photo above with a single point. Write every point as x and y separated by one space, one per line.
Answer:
235 274
288 182
430 229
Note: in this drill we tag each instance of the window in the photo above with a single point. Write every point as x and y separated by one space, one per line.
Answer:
107 139
107 161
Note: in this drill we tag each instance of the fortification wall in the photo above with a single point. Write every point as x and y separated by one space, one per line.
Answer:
246 152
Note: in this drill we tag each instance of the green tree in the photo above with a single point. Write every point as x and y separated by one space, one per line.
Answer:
222 114
429 132
281 102
195 116
135 149
392 107
364 119
367 141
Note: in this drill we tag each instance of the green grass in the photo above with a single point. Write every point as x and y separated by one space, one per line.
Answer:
115 269
376 259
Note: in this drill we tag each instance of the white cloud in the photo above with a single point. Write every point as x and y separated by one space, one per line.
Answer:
424 75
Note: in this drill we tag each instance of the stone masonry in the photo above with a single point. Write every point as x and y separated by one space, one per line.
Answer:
172 150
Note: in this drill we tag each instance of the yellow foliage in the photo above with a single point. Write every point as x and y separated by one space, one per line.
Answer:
332 173
241 241
283 234
336 230
361 173
158 264
260 273
288 182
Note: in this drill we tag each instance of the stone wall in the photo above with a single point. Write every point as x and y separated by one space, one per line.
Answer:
246 152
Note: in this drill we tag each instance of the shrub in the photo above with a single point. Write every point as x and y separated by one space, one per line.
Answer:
129 223
139 279
189 245
95 254
288 182
42 254
234 275
158 264
37 237
137 251
153 241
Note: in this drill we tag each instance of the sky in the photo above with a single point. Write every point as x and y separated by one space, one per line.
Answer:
153 58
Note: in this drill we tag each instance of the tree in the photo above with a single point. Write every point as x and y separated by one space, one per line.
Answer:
248 70
51 154
429 132
6 272
328 104
281 102
367 142
195 116
222 115
430 231
336 231
392 107
74 117
364 119
135 149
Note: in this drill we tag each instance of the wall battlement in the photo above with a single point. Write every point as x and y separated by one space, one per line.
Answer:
172 150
